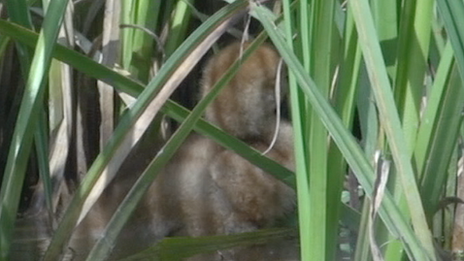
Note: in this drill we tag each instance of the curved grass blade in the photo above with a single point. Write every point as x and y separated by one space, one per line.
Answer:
26 121
144 109
133 88
106 242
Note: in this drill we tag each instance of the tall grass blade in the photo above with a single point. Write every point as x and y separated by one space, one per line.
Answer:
136 45
391 122
431 113
321 25
60 116
369 125
411 52
452 13
18 12
110 56
344 94
45 188
389 212
298 108
439 131
178 26
414 39
386 21
26 123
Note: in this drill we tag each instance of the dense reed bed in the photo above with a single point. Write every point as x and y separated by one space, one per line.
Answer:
376 100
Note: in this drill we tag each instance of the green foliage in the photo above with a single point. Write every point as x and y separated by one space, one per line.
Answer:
27 122
389 71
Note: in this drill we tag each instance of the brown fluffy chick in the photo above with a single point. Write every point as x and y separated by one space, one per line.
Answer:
245 108
207 190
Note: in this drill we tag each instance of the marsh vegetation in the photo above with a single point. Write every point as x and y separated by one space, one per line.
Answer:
91 91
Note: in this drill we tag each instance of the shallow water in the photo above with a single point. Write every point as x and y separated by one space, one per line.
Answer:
32 237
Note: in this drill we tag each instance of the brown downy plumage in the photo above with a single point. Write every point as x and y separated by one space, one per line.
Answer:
246 106
206 189
210 190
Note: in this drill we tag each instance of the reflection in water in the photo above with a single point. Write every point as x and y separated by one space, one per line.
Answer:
32 236
282 250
